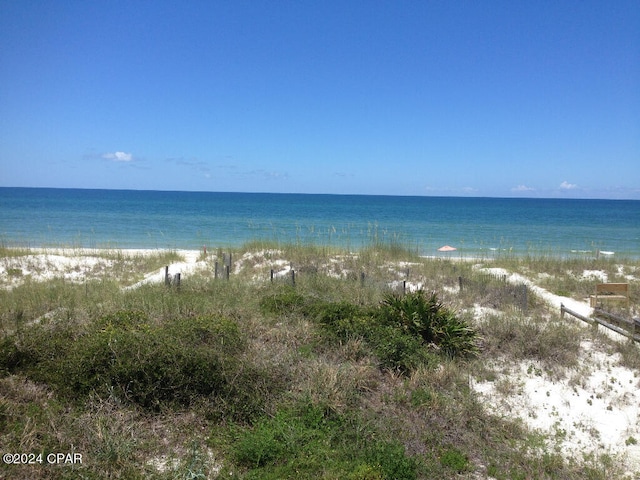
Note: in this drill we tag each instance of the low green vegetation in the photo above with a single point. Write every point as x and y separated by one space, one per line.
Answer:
128 356
341 375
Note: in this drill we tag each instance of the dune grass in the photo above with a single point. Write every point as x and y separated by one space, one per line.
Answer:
334 377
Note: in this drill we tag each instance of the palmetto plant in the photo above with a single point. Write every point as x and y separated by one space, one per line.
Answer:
425 316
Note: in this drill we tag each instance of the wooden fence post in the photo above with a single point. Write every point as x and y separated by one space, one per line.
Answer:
166 275
177 280
362 278
215 272
271 275
293 277
460 283
226 272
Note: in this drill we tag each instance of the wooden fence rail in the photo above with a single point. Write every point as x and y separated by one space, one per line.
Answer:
595 321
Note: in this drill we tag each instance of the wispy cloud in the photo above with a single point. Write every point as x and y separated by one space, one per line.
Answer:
267 174
568 186
225 170
118 156
523 188
192 164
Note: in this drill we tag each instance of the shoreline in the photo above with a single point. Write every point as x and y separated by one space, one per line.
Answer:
483 228
458 255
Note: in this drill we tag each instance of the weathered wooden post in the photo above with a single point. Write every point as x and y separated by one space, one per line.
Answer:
460 283
271 275
215 272
227 259
177 280
226 273
166 275
362 278
404 287
293 277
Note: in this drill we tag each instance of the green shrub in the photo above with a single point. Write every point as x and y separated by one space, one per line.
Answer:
126 355
428 319
413 312
260 446
397 350
398 332
156 365
125 320
148 368
332 314
11 358
395 347
284 300
454 336
34 346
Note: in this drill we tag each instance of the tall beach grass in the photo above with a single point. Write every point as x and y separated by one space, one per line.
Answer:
333 377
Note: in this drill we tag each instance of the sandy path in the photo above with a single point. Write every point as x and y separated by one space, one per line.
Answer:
551 299
593 410
190 265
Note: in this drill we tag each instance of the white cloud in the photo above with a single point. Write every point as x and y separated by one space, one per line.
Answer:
118 156
568 186
523 188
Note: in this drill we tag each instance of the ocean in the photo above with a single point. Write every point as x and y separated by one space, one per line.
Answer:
42 217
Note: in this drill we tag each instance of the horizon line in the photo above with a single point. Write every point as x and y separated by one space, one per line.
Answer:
318 193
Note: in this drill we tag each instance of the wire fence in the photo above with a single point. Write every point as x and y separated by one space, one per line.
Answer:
495 291
485 289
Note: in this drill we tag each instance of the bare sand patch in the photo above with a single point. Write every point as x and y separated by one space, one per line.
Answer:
595 410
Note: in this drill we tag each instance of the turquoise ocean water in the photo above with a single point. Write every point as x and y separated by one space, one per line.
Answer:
475 226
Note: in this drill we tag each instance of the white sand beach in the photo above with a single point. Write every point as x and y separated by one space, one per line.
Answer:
81 265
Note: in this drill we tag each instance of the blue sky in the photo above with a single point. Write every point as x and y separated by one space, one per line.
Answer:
465 98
